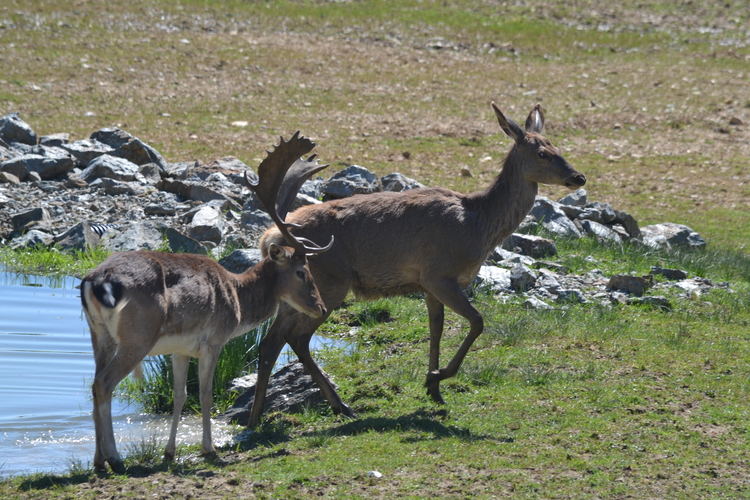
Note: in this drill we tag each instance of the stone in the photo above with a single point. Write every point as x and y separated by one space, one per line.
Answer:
128 147
181 243
79 237
14 129
536 304
87 150
350 181
521 278
145 235
113 187
551 216
35 217
110 167
577 198
9 178
32 239
670 274
601 232
54 139
633 285
398 182
256 220
207 225
241 260
670 235
290 390
533 246
493 278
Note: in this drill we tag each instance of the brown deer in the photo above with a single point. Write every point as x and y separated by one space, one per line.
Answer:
423 240
148 303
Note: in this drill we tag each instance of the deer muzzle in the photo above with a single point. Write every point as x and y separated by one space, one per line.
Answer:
575 181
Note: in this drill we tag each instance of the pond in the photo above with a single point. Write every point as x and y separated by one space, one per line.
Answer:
46 368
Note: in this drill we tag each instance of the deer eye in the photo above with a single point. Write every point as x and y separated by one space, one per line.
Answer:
301 275
542 155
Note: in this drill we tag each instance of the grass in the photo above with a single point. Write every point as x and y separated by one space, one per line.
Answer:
582 401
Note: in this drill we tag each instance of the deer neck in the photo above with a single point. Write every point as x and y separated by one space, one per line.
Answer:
505 203
258 292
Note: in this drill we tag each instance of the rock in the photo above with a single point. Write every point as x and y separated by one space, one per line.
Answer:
110 167
14 129
128 147
533 246
241 260
570 296
87 150
578 198
54 140
535 303
179 242
670 274
113 187
9 178
350 181
255 220
80 237
398 182
32 239
521 278
492 278
145 235
657 301
207 225
33 218
670 235
551 216
633 285
601 232
290 390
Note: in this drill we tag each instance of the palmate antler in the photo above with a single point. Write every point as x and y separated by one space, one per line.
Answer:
280 177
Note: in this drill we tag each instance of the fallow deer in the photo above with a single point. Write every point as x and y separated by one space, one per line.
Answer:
147 303
423 240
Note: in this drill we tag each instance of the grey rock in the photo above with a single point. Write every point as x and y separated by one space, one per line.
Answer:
110 167
87 150
601 232
14 129
551 216
570 296
578 198
113 187
536 304
533 246
633 285
128 147
47 167
670 274
179 242
290 390
350 181
241 260
8 178
398 182
150 173
145 235
80 237
493 278
33 218
670 235
32 239
256 220
207 225
54 139
522 278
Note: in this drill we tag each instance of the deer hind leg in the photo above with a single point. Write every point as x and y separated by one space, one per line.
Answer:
104 350
120 365
436 313
450 294
180 364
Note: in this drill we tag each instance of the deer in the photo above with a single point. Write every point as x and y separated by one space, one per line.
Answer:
147 303
428 240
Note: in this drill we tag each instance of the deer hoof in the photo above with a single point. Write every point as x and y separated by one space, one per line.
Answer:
346 411
117 466
433 386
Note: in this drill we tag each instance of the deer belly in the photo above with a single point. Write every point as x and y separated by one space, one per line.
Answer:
177 344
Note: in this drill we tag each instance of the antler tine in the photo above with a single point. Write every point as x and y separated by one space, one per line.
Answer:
280 176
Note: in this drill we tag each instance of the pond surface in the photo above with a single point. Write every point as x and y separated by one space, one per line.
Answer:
46 368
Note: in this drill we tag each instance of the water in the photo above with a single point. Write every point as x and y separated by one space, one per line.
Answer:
46 368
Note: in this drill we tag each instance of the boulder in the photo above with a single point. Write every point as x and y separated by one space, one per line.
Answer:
350 181
553 218
398 182
290 390
14 129
533 246
110 167
128 147
80 237
670 235
87 150
241 260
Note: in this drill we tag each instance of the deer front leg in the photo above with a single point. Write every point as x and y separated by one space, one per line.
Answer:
436 313
301 346
268 352
450 294
180 366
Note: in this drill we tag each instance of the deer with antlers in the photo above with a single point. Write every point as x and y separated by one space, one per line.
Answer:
147 303
423 240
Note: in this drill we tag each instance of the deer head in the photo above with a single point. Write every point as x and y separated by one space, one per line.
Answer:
543 162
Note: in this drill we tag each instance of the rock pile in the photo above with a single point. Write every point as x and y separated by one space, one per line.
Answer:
116 191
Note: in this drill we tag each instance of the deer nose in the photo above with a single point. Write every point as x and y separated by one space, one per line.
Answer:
576 180
323 311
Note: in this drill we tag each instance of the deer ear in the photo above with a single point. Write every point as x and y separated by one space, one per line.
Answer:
277 253
535 121
510 127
